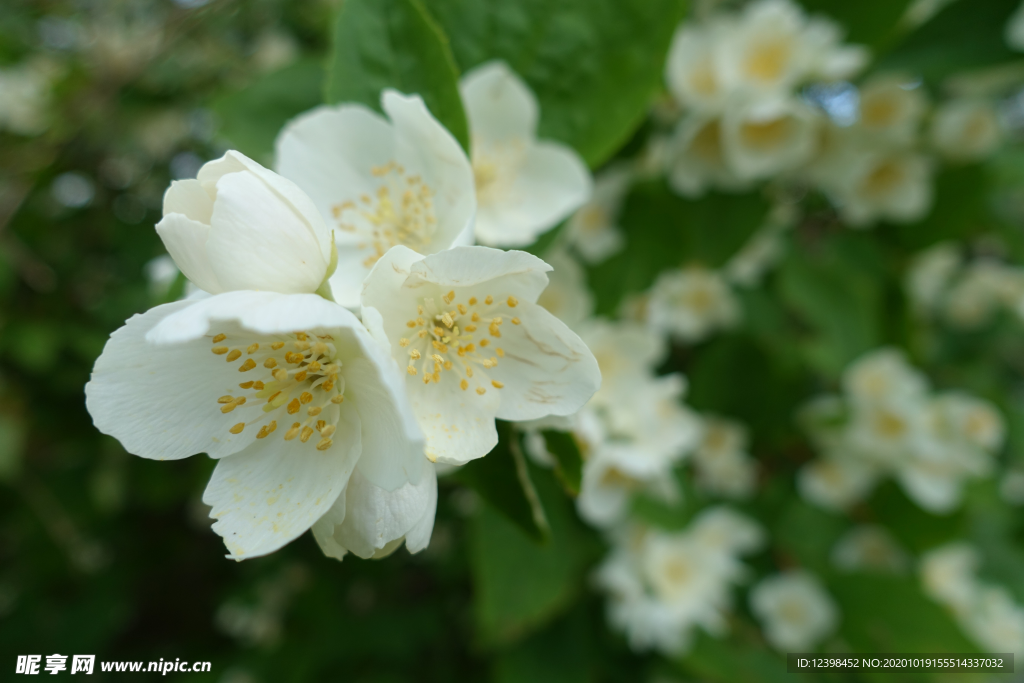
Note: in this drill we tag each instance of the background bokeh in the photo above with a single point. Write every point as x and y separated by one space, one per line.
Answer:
103 103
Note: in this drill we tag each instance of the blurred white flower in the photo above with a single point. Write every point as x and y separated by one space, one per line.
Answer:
1011 487
995 621
474 343
524 186
774 46
891 108
966 130
697 160
869 548
948 574
691 303
985 287
884 184
160 275
239 226
691 68
795 611
566 296
764 139
836 482
593 230
930 274
720 461
380 182
663 585
26 95
166 386
274 50
883 375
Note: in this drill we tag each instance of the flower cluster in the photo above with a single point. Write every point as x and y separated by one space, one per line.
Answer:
887 422
986 612
320 418
764 96
662 585
942 284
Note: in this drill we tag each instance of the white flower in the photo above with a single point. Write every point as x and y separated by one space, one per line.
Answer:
795 611
239 226
593 230
836 482
891 108
948 575
370 521
764 139
723 530
691 303
625 352
691 68
1013 34
871 548
930 274
380 182
985 286
318 399
774 46
995 621
966 130
566 296
879 184
697 158
883 375
524 186
720 460
1011 487
475 345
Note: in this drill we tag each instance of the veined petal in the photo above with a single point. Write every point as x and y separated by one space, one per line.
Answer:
269 494
263 312
160 402
185 240
189 198
546 368
375 518
513 272
499 105
458 425
260 242
551 183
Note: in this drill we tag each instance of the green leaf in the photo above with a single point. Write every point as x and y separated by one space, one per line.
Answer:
961 209
250 119
867 22
568 461
503 480
396 44
963 35
561 653
728 661
519 585
667 231
595 65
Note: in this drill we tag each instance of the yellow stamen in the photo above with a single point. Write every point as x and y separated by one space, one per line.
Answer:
237 429
219 338
249 364
233 356
496 384
512 302
253 348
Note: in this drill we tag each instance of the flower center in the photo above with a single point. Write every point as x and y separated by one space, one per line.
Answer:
298 374
457 337
494 165
401 212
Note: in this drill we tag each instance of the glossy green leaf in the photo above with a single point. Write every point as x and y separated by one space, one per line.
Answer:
868 22
595 65
396 44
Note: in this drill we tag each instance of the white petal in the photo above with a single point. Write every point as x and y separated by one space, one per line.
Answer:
499 105
546 370
515 273
273 491
188 197
259 242
375 518
185 240
288 192
263 312
160 402
329 151
323 528
551 183
392 440
425 146
347 280
458 425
